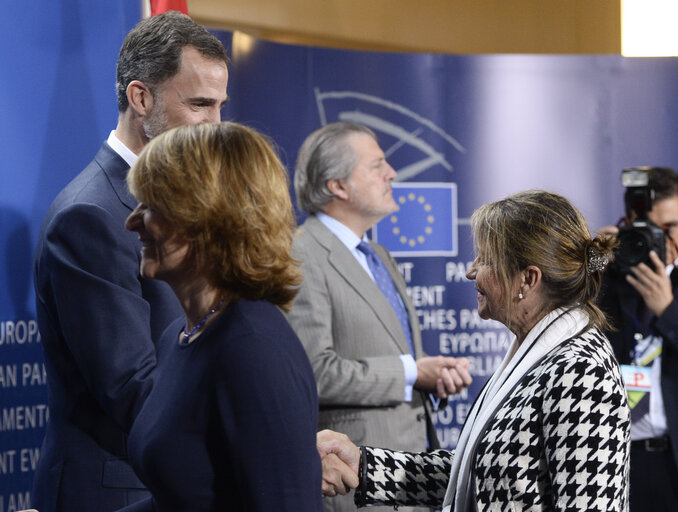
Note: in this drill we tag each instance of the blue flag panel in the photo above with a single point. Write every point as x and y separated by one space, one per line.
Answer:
425 223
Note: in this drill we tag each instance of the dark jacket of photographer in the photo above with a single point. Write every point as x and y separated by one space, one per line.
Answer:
629 314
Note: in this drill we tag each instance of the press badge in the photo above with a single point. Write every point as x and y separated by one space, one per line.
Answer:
637 378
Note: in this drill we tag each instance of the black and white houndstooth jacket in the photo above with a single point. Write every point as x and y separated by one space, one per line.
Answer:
559 442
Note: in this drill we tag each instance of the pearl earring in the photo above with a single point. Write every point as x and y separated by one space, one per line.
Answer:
520 296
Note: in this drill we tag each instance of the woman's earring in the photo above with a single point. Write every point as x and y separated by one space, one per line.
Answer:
520 296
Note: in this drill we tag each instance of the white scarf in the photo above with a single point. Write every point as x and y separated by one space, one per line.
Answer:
555 328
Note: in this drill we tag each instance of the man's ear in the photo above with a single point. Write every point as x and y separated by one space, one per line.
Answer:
530 279
338 189
139 97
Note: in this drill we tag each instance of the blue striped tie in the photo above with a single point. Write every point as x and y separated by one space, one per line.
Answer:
385 283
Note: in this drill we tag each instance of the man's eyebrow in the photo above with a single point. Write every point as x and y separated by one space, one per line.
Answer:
204 100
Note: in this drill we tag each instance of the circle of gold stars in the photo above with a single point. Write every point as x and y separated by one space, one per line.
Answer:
430 219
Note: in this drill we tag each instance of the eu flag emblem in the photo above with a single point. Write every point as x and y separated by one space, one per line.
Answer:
425 223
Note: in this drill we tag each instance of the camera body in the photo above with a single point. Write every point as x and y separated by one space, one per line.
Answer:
642 235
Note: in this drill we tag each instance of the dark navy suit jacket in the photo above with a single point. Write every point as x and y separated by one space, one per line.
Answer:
98 320
624 306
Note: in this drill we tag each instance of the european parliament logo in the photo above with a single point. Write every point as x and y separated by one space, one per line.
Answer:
425 223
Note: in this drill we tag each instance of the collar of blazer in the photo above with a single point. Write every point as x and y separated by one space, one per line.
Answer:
348 268
115 169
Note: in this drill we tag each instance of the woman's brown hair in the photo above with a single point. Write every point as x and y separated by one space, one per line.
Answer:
545 230
225 190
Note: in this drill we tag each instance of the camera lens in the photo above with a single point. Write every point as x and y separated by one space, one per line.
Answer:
634 247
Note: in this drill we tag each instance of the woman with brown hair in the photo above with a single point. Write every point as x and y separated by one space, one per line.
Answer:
550 429
230 422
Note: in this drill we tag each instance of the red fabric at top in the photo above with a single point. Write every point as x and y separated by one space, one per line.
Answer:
160 6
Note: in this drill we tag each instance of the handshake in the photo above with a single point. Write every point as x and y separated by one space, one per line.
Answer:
340 462
340 457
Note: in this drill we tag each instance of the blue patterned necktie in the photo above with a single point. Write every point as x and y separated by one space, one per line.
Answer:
385 283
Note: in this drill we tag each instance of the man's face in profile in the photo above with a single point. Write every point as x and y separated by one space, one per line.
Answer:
195 95
369 184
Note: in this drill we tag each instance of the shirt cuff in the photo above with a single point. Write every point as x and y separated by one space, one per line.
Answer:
410 367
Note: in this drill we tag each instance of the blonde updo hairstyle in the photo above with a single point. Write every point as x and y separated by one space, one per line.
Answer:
545 230
224 189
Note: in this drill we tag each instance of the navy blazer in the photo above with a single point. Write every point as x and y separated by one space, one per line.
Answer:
623 304
98 320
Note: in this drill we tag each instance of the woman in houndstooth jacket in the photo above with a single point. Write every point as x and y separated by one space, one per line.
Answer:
550 429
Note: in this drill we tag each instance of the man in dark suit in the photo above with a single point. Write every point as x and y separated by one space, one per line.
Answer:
643 310
98 318
352 313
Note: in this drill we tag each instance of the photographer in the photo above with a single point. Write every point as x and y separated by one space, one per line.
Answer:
639 299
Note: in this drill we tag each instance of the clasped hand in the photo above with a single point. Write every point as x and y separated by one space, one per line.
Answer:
340 462
442 376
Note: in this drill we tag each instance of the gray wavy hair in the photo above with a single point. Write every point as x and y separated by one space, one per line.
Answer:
325 155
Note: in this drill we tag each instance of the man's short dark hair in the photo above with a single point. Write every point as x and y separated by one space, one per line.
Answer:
151 52
664 182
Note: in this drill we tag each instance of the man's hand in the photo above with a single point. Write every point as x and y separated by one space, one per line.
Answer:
442 375
654 286
340 461
338 478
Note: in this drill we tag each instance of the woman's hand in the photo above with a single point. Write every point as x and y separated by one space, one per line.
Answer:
340 462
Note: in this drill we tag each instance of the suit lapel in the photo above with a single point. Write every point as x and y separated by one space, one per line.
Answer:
346 265
115 168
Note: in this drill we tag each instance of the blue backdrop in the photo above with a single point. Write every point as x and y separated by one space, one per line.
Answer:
460 131
57 98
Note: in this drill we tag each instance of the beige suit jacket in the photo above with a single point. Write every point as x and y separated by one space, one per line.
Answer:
354 341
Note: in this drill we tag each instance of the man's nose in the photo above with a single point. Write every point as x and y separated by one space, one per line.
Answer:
213 115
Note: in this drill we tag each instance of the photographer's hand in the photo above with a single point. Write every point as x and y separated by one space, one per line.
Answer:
654 286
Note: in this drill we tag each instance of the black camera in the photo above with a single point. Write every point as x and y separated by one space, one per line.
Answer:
640 235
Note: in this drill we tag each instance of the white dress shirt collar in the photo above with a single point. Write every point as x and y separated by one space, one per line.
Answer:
125 153
341 231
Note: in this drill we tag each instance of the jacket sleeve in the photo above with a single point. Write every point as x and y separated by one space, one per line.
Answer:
89 279
403 479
